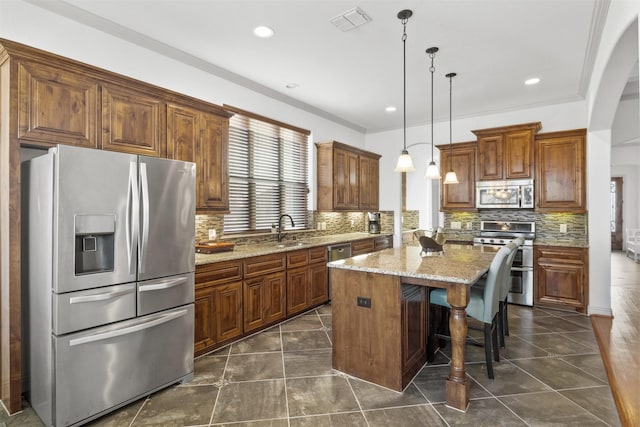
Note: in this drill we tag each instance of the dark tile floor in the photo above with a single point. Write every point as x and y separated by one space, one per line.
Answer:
550 374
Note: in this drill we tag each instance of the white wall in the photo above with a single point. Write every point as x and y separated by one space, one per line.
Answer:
617 53
28 24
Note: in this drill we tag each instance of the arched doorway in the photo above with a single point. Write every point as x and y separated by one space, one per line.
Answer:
606 97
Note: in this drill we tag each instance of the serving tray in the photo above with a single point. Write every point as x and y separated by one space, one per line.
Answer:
214 247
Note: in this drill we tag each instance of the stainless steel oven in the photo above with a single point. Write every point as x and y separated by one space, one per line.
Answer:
494 235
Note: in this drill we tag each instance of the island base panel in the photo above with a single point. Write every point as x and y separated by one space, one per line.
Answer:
383 343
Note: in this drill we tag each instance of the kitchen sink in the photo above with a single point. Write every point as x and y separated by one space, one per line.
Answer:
291 243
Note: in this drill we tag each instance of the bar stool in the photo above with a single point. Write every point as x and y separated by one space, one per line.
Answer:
484 304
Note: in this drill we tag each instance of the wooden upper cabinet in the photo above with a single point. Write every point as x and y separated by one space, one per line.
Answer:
506 152
346 184
348 178
561 171
461 196
369 183
132 121
56 106
202 137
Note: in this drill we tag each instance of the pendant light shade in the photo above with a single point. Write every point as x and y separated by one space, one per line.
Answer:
432 169
404 164
451 177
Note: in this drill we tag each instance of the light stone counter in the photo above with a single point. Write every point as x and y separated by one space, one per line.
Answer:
569 243
247 251
458 264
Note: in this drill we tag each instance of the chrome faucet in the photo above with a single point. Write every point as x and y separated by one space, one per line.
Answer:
280 234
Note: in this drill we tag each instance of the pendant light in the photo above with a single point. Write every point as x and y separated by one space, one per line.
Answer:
404 164
451 177
432 169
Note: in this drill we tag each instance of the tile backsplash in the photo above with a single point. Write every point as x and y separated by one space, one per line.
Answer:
334 223
547 224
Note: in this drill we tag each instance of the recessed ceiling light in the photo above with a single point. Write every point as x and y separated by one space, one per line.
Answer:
390 109
263 32
292 85
532 81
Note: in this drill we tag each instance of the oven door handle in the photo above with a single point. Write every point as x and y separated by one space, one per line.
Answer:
521 268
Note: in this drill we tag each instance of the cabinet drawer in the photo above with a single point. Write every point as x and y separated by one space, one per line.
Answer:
264 264
362 247
297 259
318 254
218 272
559 253
381 243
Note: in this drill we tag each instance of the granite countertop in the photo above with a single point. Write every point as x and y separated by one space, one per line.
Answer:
459 263
247 251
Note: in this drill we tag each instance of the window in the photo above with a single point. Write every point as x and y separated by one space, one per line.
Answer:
268 173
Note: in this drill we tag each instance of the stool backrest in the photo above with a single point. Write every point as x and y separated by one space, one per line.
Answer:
505 281
493 283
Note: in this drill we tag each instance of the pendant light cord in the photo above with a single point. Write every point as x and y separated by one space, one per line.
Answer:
404 82
432 69
450 120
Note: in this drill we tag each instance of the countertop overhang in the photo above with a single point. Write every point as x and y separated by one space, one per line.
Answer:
458 264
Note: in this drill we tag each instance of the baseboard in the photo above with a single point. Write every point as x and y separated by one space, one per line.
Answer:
599 311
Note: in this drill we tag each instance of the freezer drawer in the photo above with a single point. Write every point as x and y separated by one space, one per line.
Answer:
75 311
98 369
167 292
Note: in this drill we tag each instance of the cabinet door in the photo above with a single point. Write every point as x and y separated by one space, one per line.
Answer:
183 132
560 174
205 323
561 277
518 149
460 196
56 106
318 284
132 122
369 183
212 164
345 180
228 300
264 300
490 157
414 321
297 290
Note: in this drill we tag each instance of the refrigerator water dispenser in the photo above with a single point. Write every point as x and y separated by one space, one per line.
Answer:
94 243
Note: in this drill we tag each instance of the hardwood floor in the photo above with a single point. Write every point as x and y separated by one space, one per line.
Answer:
619 338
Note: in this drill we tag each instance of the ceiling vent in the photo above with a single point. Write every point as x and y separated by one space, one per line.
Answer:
350 19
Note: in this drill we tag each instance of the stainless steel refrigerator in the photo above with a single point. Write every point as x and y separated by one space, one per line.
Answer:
109 264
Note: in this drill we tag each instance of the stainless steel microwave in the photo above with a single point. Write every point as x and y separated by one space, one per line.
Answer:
513 194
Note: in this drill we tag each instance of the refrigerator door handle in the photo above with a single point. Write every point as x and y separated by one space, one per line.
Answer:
131 223
126 331
99 297
166 284
144 188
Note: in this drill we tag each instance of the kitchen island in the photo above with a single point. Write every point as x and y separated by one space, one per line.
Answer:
380 313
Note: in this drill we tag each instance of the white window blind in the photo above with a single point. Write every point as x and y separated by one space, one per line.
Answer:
268 174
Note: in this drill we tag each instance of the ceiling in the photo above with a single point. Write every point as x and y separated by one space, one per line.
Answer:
493 46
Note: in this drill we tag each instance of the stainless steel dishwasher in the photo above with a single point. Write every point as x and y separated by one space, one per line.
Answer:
336 252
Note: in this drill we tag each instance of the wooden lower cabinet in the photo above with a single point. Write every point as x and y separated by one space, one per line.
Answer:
373 244
413 309
264 300
561 277
364 246
307 286
385 342
218 315
236 298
